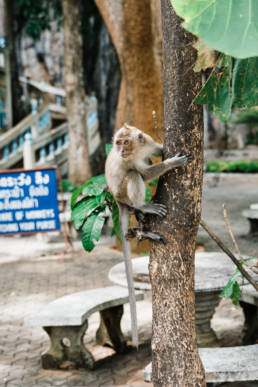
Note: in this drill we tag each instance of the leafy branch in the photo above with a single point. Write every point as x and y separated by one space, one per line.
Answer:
232 289
91 203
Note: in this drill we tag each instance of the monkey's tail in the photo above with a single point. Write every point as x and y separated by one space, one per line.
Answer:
124 221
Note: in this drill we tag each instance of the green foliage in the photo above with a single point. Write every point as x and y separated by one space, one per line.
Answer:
91 229
216 91
154 182
224 25
232 83
89 204
252 138
36 15
108 148
244 166
247 117
232 289
245 82
68 187
206 56
147 194
88 213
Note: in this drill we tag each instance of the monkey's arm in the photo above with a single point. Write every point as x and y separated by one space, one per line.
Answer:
158 149
156 170
124 221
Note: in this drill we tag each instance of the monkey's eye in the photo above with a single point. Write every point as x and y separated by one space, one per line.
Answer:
118 142
126 142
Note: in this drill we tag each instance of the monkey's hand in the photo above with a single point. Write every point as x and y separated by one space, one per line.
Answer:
178 160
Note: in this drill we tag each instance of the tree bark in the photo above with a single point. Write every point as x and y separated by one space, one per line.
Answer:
130 25
18 106
78 153
175 355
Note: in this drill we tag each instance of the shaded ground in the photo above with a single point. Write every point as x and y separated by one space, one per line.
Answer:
33 273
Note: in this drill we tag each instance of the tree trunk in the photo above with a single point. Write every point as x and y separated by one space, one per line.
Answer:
130 25
18 106
78 153
175 355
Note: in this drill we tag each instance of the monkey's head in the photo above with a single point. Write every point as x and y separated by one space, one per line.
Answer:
128 141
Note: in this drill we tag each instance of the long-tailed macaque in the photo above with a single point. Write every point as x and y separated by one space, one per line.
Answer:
127 167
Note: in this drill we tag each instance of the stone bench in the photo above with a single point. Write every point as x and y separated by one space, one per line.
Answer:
66 320
227 364
252 215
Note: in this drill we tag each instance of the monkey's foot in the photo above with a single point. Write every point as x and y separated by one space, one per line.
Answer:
143 234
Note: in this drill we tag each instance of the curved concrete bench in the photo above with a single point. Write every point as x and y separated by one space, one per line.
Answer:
66 320
227 364
252 215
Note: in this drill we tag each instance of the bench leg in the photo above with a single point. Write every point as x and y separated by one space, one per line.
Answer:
66 344
109 331
205 304
251 323
253 226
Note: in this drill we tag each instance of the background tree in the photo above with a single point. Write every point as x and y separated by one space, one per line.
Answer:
79 164
174 346
11 34
130 25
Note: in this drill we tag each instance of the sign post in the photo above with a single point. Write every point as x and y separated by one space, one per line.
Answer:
28 201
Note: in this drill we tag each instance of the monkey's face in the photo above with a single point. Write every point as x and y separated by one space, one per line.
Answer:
124 147
129 142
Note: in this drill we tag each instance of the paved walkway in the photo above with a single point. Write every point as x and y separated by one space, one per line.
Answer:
33 272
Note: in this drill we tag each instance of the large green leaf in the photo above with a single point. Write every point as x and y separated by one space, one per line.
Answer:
216 91
232 289
232 83
245 82
229 26
91 230
76 194
95 186
206 57
83 209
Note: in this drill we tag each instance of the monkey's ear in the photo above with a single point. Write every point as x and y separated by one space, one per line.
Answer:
127 126
141 138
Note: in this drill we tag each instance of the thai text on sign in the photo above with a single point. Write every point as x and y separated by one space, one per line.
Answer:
28 201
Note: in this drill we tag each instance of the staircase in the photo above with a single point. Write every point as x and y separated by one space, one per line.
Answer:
49 143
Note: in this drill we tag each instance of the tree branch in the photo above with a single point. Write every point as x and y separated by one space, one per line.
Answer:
230 230
230 254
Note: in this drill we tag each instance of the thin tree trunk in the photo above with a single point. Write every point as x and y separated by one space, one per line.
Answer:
78 154
18 106
175 355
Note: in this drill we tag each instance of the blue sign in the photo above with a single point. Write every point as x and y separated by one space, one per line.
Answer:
28 201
